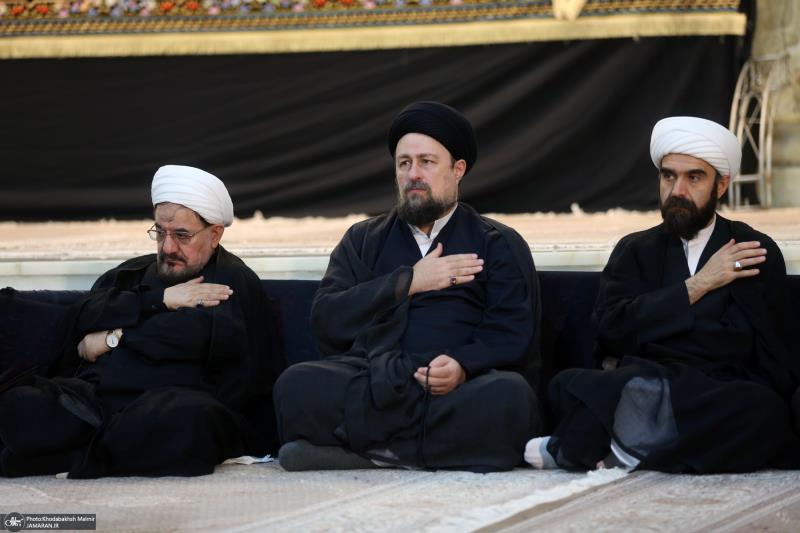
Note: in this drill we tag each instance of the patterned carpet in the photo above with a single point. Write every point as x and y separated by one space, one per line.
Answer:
650 501
265 498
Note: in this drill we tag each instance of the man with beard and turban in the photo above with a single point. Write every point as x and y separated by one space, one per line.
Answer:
428 318
168 364
695 312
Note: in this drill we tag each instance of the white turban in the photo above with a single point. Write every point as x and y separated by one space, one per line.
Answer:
196 189
699 138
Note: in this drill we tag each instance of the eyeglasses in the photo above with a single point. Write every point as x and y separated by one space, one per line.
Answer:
181 237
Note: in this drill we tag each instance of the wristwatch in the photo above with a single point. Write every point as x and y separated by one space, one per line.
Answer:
112 337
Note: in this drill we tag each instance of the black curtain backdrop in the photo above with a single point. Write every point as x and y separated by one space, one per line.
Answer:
304 134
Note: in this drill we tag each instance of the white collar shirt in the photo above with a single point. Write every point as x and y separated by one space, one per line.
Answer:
424 240
694 248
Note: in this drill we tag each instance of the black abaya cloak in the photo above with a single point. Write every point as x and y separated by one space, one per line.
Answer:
701 388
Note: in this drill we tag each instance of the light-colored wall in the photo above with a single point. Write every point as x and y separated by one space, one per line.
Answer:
778 34
81 274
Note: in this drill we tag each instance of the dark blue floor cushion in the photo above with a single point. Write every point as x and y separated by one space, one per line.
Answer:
32 322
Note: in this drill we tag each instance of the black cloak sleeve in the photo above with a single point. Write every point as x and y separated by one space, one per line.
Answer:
351 296
632 309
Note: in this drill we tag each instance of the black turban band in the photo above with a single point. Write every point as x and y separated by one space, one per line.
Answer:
441 122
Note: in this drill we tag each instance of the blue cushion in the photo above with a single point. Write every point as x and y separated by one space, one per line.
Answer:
31 331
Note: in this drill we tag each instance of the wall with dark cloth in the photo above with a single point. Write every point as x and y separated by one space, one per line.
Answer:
304 134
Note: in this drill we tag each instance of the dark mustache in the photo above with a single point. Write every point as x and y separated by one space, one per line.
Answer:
169 257
417 186
678 202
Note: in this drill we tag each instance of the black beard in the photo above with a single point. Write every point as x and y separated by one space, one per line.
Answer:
684 219
170 277
421 212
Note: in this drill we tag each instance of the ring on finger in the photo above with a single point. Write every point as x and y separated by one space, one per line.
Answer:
453 281
737 266
200 303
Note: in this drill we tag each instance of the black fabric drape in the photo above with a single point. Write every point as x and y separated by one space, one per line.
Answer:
299 134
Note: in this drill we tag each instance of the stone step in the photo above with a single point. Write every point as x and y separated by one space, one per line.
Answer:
298 263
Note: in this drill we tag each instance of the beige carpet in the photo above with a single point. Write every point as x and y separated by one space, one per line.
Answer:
265 498
649 501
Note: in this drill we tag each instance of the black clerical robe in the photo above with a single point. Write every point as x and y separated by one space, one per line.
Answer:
183 391
363 395
700 388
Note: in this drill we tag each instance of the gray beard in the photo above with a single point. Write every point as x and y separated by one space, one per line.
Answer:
170 277
423 211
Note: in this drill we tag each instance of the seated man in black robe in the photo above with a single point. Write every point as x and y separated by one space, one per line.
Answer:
428 316
695 311
168 365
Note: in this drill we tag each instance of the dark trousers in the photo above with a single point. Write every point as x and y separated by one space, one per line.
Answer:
482 425
796 410
52 426
722 426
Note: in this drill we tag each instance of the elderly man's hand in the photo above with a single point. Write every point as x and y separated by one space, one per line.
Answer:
721 270
92 346
195 293
445 375
435 271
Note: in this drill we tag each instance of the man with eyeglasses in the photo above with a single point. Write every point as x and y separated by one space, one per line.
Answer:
169 362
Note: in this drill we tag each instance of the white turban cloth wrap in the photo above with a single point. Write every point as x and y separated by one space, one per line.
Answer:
699 138
196 189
